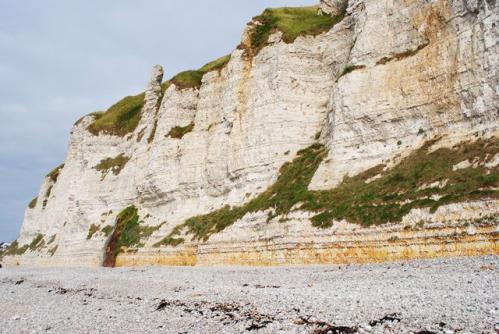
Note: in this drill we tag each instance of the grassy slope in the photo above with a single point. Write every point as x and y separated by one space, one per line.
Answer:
400 189
386 199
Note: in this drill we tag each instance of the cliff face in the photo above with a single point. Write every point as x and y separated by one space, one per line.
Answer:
373 140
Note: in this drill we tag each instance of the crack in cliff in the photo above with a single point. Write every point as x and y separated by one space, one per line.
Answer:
402 55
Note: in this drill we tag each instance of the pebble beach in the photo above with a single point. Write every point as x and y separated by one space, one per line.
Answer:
452 295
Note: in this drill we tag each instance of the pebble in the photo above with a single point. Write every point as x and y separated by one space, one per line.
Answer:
431 295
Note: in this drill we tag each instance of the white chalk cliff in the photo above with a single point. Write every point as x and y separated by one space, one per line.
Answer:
390 79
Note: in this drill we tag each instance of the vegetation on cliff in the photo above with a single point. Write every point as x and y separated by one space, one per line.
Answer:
127 233
289 189
425 179
47 196
33 202
14 249
54 174
121 119
107 230
114 165
350 68
292 22
193 78
170 240
216 65
92 230
179 132
188 79
37 243
124 116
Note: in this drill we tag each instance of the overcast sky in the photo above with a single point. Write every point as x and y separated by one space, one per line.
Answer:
62 59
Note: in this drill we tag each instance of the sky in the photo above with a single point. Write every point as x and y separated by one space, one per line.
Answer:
62 59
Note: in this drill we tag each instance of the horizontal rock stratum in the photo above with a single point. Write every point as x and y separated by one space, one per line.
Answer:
354 131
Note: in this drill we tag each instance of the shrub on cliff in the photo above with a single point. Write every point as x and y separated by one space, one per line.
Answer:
92 230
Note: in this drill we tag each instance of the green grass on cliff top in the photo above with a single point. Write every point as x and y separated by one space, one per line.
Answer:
123 117
292 22
193 78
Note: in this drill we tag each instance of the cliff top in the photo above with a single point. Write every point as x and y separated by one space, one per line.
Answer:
123 117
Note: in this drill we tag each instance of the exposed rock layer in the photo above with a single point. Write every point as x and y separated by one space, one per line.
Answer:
389 77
